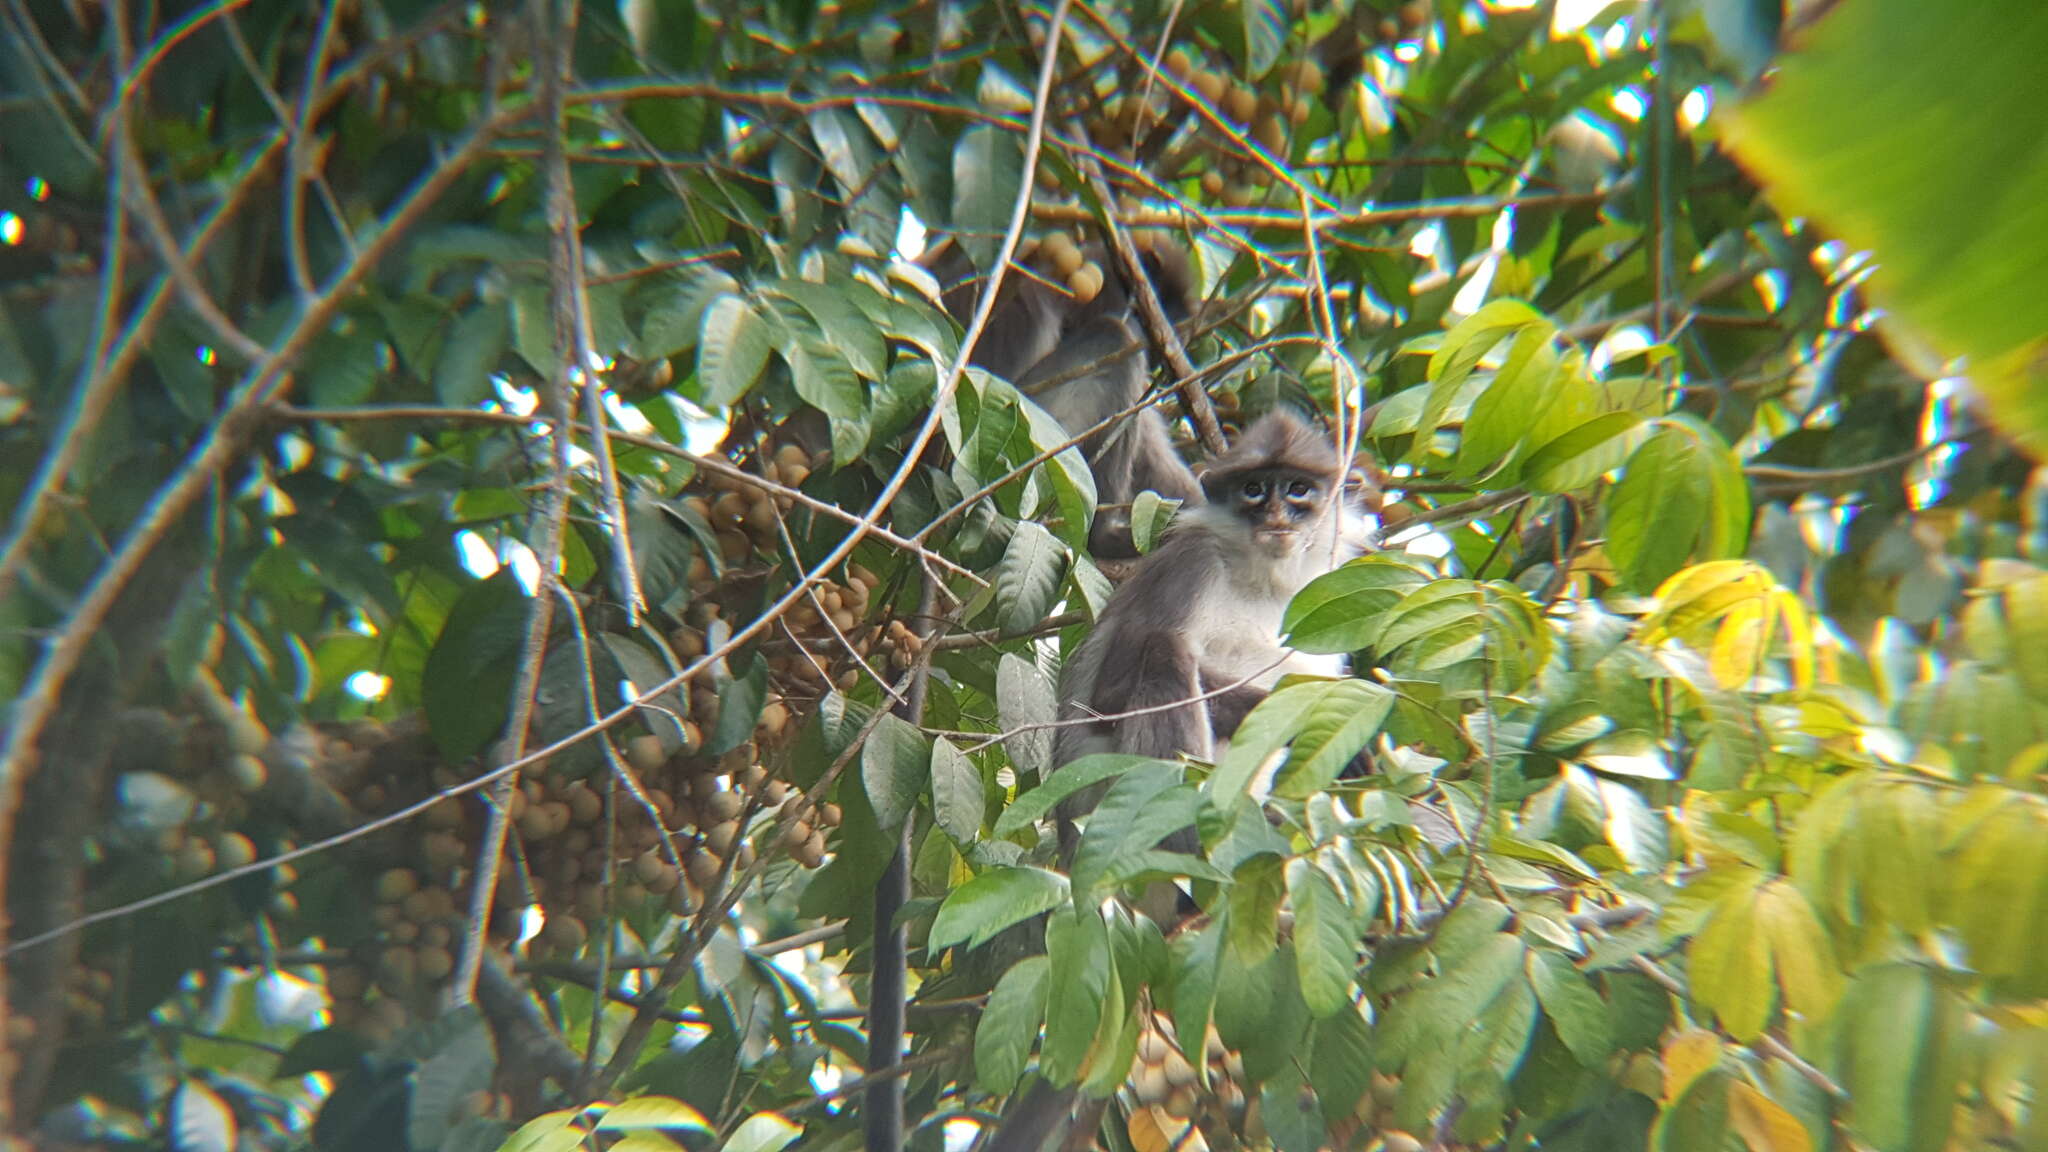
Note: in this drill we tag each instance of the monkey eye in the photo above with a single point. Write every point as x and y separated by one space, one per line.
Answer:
1255 489
1299 489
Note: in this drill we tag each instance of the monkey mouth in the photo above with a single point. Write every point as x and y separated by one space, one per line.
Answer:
1274 537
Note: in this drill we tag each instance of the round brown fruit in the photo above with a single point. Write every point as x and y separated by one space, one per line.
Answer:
1060 250
248 773
234 850
644 753
397 884
701 867
397 968
1212 183
1241 104
1212 87
722 836
720 807
194 859
1085 283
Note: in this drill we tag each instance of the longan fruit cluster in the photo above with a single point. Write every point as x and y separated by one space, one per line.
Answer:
1058 259
1170 1098
1268 121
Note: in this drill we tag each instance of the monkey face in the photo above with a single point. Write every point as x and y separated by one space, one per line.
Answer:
1280 506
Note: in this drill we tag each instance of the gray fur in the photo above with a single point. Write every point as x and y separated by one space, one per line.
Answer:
1086 362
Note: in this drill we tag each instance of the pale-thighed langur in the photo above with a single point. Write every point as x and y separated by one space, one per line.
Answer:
1202 615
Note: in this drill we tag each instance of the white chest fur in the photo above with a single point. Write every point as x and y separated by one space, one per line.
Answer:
1241 638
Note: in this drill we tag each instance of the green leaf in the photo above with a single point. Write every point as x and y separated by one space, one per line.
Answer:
843 325
988 170
731 351
1070 778
1938 169
993 901
1659 508
740 700
894 764
1077 941
957 799
1150 514
1009 1025
1024 703
1265 33
1343 611
1028 579
344 370
1460 351
1263 732
1900 1039
467 684
1730 964
1697 1121
1336 729
1575 459
1143 807
1197 958
1510 406
1325 943
475 344
675 321
1340 1062
1574 1008
1800 950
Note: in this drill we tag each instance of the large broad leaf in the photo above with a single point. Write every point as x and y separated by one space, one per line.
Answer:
731 351
1900 1038
1343 611
1914 130
894 764
1002 1041
957 796
993 901
462 374
468 681
1032 806
1028 579
1077 940
988 168
1681 496
1325 940
1025 702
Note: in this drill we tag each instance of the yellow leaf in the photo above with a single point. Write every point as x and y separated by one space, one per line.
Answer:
1688 1057
1738 651
1798 636
1763 1125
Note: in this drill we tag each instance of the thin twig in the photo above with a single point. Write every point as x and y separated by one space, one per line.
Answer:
553 517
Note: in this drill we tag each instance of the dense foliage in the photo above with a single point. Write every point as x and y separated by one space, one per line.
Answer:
504 551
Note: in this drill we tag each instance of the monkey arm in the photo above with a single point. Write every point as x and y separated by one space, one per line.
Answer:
1227 709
